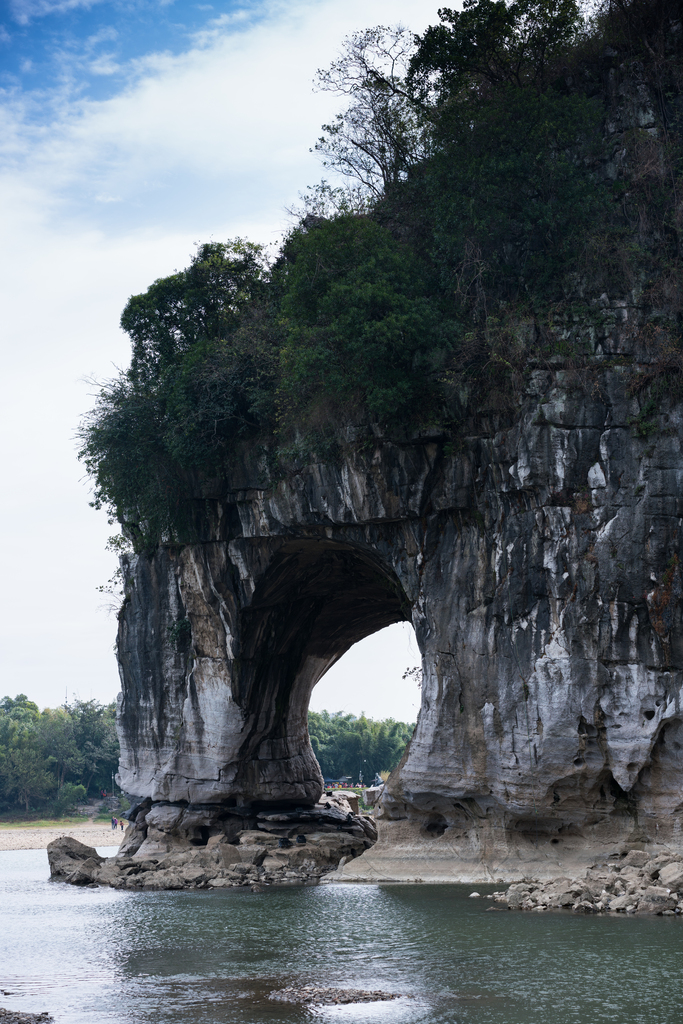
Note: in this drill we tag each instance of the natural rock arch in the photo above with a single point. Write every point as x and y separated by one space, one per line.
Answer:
539 567
242 677
314 602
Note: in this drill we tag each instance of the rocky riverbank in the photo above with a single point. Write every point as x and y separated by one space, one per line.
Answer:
162 850
638 884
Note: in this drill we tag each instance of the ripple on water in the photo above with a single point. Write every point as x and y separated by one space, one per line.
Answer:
92 956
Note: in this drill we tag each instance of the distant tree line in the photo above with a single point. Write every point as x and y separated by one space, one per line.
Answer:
51 760
348 746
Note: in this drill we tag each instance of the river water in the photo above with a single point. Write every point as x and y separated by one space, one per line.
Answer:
91 956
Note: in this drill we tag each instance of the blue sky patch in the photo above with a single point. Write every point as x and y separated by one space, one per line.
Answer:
89 48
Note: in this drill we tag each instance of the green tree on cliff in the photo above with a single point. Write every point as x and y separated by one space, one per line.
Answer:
199 304
484 212
490 43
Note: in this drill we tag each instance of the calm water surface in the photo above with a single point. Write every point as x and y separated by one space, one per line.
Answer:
96 955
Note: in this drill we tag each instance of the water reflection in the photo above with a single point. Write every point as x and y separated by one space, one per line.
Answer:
97 955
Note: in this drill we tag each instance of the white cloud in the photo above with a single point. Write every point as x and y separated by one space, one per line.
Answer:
24 11
96 201
104 65
107 34
238 105
230 20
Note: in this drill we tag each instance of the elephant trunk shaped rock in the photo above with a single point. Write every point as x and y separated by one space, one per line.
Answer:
539 567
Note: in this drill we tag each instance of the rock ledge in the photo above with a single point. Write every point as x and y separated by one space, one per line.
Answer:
277 847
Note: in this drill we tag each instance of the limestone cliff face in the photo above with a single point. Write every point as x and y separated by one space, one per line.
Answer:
539 567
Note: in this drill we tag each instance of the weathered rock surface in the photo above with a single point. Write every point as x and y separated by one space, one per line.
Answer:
539 566
314 995
71 861
17 1017
635 884
161 850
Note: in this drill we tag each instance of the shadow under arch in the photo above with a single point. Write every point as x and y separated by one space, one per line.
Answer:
314 601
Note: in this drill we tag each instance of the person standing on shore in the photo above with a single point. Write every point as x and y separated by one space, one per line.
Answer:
114 823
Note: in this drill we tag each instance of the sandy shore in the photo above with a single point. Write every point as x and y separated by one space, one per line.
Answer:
27 838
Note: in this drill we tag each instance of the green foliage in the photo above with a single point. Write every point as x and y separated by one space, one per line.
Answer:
23 770
359 325
494 42
490 211
96 738
195 305
68 798
24 774
179 634
510 199
189 394
662 379
640 28
19 709
645 423
53 758
346 746
56 729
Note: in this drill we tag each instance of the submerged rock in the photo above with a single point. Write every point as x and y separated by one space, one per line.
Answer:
319 996
18 1017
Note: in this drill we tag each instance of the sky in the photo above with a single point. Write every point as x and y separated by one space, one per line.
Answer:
130 130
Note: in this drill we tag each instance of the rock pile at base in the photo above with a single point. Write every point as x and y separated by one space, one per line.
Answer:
16 1017
313 995
636 884
162 850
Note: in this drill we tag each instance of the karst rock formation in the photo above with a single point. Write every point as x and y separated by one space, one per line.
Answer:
538 565
536 552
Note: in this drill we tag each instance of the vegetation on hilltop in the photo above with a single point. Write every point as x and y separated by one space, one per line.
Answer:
494 195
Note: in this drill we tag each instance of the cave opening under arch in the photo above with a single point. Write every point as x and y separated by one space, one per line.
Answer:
315 601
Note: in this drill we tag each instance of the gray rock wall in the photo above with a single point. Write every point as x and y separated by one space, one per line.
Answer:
539 567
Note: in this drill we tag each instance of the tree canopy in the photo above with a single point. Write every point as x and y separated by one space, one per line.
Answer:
346 745
494 43
54 758
487 211
355 315
199 304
